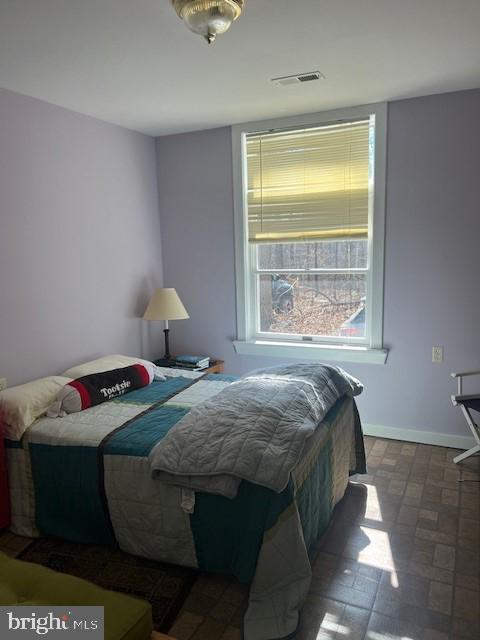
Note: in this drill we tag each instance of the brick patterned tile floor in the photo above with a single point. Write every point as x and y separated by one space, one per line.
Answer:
400 560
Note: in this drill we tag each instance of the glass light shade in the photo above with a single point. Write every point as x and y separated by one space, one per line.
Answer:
208 18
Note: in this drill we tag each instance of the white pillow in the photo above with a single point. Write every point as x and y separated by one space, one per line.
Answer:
107 363
20 406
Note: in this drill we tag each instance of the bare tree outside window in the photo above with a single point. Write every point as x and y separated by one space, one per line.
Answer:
313 288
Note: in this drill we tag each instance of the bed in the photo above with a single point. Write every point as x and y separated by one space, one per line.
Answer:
87 477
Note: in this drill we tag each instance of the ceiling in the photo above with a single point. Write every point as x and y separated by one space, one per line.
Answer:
134 63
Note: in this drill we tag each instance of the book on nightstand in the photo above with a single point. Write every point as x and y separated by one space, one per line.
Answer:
193 362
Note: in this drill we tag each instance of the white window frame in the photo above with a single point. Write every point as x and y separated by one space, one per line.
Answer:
249 342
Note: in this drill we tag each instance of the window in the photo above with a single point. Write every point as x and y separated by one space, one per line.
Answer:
309 199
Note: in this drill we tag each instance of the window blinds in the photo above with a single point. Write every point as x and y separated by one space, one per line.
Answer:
309 184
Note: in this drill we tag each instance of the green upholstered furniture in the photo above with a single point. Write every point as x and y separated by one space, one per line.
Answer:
23 583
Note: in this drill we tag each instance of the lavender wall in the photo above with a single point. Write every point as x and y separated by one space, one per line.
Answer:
79 237
432 257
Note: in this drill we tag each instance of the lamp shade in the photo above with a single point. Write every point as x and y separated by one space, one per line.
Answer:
165 305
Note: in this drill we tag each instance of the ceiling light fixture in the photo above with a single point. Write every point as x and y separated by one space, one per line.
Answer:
208 18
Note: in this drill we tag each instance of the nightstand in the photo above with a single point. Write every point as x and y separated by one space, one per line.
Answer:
216 366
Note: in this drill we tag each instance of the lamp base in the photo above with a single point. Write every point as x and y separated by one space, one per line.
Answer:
167 346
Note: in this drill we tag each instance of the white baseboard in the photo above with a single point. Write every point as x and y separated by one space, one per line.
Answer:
423 437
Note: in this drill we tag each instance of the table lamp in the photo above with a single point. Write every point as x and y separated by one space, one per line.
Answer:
165 305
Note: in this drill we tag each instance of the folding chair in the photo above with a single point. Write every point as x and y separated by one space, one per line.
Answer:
467 403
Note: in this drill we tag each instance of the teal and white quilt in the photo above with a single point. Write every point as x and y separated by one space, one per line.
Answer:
86 477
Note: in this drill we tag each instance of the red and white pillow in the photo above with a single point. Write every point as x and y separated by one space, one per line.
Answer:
96 388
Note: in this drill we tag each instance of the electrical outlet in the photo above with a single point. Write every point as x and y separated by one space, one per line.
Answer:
3 384
437 355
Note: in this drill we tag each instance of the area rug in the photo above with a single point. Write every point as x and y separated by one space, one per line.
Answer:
165 586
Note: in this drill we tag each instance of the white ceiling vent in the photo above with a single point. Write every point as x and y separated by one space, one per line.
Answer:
310 76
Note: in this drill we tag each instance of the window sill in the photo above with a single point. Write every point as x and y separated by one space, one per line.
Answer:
333 353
